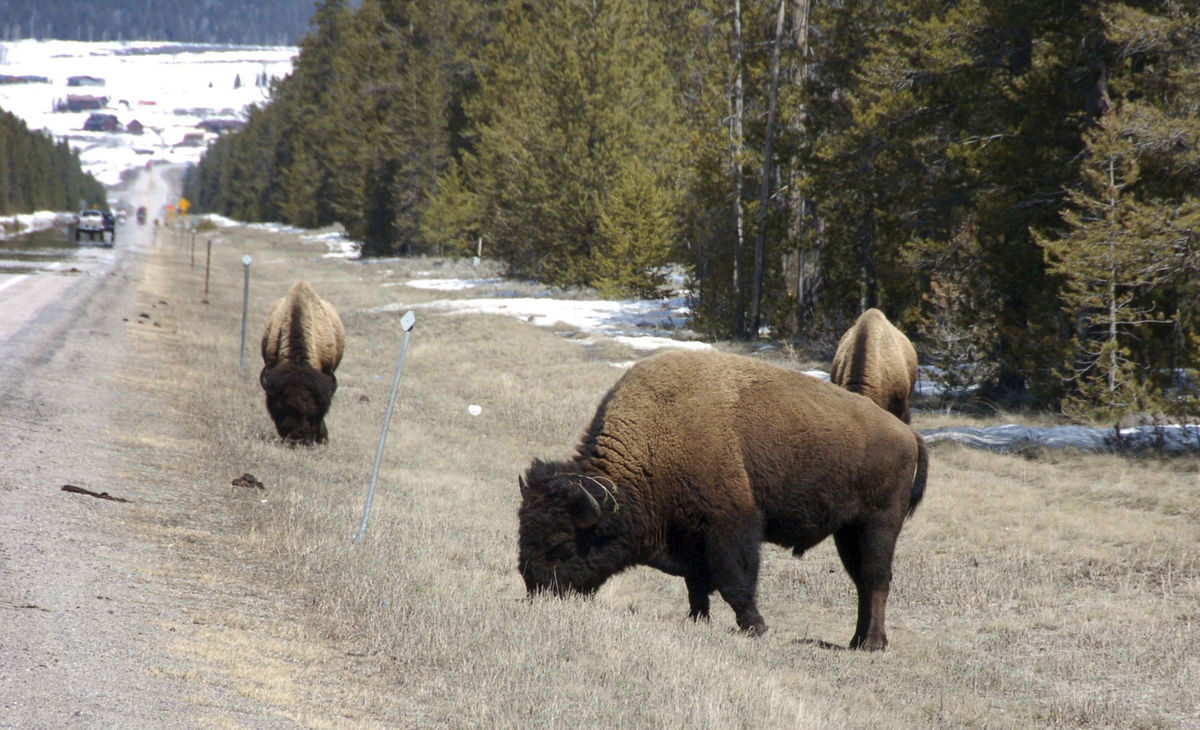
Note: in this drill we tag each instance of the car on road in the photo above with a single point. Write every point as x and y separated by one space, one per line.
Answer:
93 223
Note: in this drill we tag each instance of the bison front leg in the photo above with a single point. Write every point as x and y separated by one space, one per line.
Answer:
699 586
733 558
866 553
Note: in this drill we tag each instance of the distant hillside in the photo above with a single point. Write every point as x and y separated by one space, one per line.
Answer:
255 22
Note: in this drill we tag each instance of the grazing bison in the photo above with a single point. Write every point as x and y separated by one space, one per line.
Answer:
694 458
875 359
301 347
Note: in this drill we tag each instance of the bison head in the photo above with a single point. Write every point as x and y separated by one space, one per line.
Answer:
298 398
568 541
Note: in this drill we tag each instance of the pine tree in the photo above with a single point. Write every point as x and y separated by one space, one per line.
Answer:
575 111
1110 260
1129 251
961 115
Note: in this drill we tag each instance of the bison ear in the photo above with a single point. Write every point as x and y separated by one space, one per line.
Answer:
585 511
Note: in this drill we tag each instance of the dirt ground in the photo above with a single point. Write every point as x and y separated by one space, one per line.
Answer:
94 590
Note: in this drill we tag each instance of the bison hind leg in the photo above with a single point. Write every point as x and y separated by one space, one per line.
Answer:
866 552
699 586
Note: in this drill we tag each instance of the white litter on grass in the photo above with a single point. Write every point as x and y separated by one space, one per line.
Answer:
474 410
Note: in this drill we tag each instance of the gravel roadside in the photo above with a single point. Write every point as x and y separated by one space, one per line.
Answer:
95 591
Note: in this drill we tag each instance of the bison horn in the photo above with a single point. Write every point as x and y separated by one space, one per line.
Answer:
524 487
585 511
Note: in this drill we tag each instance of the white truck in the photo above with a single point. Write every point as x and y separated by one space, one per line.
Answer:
94 223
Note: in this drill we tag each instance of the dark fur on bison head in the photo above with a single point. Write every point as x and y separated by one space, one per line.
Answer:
298 397
568 541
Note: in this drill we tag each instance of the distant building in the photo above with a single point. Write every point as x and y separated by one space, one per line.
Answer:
85 81
6 79
102 123
192 139
81 103
218 126
135 127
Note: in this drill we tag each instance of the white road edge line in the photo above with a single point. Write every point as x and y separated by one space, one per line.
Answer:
14 280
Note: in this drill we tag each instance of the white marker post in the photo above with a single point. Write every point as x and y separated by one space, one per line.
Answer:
407 322
245 305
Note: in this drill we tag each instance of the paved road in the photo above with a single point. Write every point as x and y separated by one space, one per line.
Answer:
88 607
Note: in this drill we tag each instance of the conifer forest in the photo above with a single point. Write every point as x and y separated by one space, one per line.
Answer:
1013 182
38 173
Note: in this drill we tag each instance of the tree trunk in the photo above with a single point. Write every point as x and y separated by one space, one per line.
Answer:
739 284
799 262
765 190
1113 360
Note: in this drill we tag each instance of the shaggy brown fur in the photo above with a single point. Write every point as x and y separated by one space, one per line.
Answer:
694 458
876 360
302 345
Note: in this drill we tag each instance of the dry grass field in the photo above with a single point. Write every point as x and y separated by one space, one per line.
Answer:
1053 590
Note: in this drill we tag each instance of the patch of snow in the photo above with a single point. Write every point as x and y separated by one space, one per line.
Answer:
1010 438
449 284
23 223
638 323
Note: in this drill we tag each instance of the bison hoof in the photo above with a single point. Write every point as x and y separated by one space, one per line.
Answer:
755 629
870 643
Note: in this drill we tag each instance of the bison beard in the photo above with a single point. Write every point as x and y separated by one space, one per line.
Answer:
694 458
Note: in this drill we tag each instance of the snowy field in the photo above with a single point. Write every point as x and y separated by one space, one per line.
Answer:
168 89
171 88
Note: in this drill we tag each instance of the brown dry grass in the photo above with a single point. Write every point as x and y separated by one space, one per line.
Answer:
1055 591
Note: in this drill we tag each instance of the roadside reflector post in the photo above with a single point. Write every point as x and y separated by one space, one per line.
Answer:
207 264
245 305
407 322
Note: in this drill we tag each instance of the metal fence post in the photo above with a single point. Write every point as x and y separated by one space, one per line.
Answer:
207 264
407 322
245 305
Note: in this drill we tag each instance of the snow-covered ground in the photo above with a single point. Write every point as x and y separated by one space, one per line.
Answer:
170 88
21 223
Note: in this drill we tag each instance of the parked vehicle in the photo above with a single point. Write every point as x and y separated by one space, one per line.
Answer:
93 223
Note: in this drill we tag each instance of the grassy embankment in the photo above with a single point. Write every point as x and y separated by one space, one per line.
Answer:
1059 590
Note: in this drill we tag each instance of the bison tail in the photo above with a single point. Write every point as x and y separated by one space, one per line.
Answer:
918 487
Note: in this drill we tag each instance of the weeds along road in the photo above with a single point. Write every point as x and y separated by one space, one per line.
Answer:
87 611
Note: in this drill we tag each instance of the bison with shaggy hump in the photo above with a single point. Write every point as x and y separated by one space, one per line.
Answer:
301 347
875 359
694 458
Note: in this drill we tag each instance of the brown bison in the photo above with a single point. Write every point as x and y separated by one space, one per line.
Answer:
301 347
694 458
875 359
